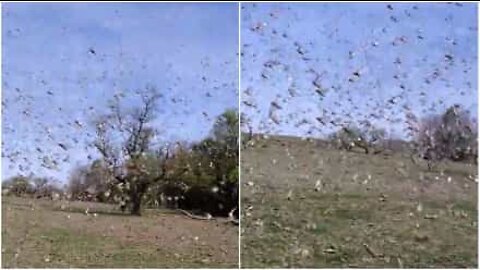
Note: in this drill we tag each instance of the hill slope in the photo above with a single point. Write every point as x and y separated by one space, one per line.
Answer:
307 205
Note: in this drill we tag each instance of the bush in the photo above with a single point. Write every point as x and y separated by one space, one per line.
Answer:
45 188
350 137
90 183
36 187
18 186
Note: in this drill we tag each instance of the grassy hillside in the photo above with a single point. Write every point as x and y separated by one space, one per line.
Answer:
308 205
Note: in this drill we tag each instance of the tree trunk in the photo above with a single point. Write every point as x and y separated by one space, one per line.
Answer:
136 205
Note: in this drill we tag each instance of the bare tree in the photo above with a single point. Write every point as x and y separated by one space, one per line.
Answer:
124 139
350 137
451 135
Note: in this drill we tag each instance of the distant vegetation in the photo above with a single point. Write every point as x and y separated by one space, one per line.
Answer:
36 187
350 137
451 135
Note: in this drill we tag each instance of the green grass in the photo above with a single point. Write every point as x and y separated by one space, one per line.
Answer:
348 225
321 228
60 248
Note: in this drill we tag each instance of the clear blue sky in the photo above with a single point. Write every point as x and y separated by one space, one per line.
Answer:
422 55
62 62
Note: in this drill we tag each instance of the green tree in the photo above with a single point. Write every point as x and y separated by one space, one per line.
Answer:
205 175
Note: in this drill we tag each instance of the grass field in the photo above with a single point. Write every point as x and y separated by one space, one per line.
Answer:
48 234
307 205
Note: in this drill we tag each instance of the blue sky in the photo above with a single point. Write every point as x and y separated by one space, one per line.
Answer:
423 56
63 62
